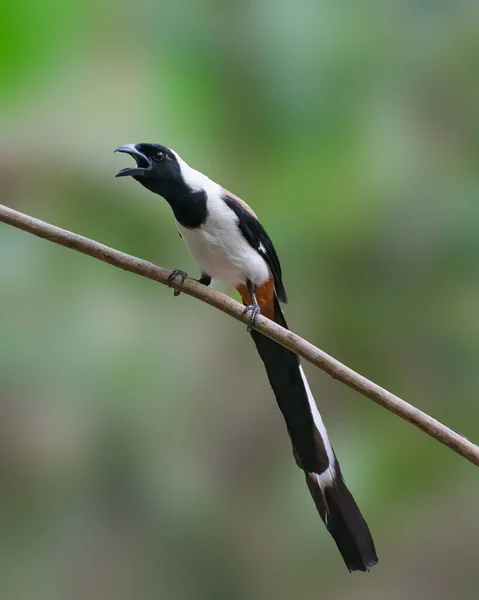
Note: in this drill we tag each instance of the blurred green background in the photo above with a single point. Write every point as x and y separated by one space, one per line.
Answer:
132 462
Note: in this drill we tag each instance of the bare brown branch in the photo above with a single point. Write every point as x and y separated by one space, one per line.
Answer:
286 338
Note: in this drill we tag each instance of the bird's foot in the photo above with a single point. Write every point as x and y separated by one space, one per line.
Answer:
173 275
255 310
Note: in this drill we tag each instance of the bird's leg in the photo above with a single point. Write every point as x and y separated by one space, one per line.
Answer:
204 279
173 275
253 308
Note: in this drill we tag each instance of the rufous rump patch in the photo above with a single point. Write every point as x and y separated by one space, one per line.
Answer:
264 296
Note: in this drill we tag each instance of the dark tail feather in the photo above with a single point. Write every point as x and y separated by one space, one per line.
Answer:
314 454
282 368
344 521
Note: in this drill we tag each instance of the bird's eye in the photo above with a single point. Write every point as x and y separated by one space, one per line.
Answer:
159 156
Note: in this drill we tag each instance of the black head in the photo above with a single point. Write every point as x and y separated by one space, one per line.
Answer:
162 171
157 166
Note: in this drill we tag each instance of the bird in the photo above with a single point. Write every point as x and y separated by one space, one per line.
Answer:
229 244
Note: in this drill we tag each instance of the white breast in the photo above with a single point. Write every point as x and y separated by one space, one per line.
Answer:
219 247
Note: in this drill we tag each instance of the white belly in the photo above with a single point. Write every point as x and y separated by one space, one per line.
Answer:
221 251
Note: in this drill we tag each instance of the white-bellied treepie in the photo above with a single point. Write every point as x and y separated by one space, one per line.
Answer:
229 243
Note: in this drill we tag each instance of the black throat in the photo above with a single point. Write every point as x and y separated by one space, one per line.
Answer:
189 207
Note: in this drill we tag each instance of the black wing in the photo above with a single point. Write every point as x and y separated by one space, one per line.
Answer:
256 236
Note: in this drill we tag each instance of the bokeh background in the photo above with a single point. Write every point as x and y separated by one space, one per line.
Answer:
141 451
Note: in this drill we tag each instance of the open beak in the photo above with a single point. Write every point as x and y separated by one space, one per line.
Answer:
142 162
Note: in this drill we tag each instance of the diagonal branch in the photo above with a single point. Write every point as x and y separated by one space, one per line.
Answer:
282 336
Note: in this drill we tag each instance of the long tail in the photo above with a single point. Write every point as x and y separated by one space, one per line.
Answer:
313 451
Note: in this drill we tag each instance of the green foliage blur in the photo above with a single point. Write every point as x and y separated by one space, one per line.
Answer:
141 451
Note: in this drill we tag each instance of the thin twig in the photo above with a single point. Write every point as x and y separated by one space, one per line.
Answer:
282 336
